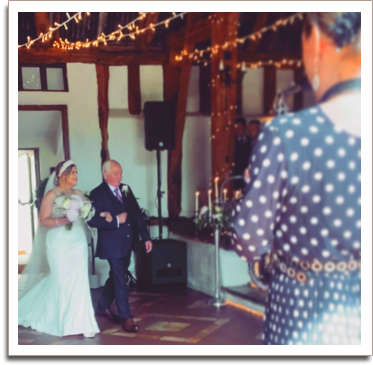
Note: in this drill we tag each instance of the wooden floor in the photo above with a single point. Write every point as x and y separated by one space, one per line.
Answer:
167 316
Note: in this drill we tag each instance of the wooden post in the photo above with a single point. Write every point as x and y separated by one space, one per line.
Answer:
223 93
102 74
269 89
134 91
174 177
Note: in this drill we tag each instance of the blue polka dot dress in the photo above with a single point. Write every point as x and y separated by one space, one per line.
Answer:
302 205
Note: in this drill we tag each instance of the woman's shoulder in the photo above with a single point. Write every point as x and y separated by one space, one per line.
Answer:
52 193
306 122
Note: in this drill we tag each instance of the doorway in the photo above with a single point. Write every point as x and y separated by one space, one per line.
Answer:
29 178
43 141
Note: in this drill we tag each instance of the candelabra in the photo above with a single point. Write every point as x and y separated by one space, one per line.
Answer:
218 217
217 221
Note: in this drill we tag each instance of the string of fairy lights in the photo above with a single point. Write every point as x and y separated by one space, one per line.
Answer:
44 37
117 35
199 55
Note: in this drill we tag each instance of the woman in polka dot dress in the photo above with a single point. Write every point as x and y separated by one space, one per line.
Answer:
303 197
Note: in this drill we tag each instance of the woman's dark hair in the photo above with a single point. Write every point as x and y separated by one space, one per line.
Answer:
342 28
65 173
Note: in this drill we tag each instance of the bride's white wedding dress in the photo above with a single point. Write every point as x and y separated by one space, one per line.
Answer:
60 302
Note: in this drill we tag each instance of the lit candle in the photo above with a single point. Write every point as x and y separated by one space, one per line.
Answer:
237 194
225 194
216 181
210 200
197 201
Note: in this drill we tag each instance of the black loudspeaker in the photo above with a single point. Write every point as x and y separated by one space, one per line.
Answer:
166 264
159 125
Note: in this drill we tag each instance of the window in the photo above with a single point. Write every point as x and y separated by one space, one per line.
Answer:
43 77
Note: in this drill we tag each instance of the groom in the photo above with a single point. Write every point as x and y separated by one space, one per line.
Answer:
118 218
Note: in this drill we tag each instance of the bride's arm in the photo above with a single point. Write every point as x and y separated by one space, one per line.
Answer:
46 218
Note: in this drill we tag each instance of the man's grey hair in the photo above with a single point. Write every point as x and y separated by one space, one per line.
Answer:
107 165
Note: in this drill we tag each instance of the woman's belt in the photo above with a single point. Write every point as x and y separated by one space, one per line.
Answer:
298 270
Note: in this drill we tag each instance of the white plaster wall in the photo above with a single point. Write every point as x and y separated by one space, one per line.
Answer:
151 83
284 79
196 160
252 92
126 145
33 127
84 133
193 91
118 87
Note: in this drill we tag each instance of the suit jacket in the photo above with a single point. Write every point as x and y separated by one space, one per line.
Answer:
114 241
242 149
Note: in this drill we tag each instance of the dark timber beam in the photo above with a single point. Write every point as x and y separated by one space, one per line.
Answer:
134 91
42 24
108 56
269 89
223 94
102 73
174 177
143 40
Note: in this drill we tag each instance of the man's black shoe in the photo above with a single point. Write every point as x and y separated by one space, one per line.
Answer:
108 314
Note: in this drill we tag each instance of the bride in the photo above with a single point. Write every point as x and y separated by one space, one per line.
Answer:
54 293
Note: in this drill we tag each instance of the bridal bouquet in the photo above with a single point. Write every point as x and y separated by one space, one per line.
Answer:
74 207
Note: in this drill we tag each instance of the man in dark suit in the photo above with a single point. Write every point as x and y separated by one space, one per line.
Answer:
245 138
118 219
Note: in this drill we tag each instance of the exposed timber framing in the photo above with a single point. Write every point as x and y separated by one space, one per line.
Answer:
223 94
143 41
134 91
174 177
115 56
102 73
269 89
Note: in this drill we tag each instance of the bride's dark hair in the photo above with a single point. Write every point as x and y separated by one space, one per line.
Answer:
65 173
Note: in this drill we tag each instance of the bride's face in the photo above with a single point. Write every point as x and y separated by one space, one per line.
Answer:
72 178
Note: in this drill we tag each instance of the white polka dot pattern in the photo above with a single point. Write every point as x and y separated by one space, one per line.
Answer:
304 202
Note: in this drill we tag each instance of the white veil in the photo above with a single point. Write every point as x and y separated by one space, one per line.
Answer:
37 267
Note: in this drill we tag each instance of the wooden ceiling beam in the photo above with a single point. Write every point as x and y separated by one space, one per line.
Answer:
143 40
244 55
91 55
260 22
201 31
41 21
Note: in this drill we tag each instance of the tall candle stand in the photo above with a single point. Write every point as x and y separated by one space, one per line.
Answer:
218 300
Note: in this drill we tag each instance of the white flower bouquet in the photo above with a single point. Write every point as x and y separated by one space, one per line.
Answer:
74 207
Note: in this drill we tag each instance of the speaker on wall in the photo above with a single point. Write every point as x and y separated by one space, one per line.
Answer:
159 125
166 264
